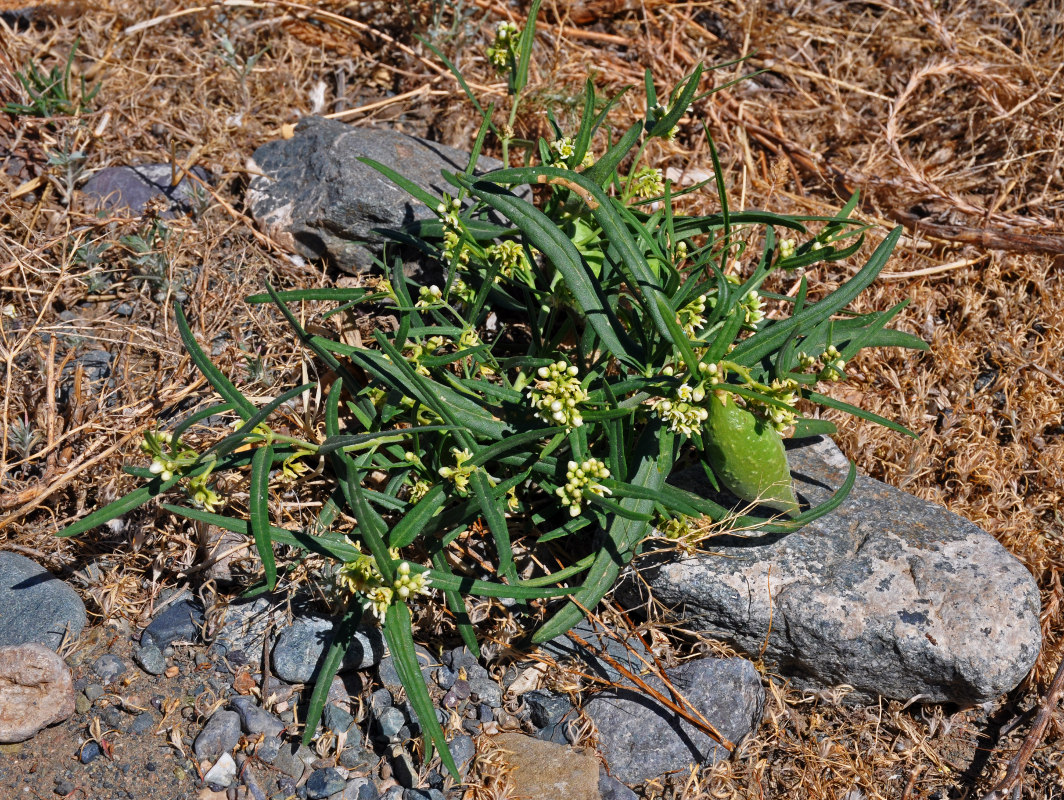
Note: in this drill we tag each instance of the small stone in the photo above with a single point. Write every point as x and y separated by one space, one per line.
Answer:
94 692
300 649
462 751
179 622
394 793
82 704
380 700
360 789
109 667
220 735
543 769
461 689
130 188
289 762
63 787
640 739
89 752
35 606
336 719
255 720
324 782
172 671
486 689
150 658
268 749
445 677
403 768
222 774
546 708
36 690
356 757
389 722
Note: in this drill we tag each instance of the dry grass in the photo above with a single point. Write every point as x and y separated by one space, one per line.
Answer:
947 116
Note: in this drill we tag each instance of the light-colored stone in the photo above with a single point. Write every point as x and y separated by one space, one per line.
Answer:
36 690
889 594
546 770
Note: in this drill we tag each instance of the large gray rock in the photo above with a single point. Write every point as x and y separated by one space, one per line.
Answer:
632 655
35 606
312 195
642 739
889 594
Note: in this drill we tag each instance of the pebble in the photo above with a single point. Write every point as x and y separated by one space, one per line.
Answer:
222 774
462 750
389 722
390 677
89 752
109 667
150 658
220 735
178 622
324 782
445 677
300 649
94 692
255 720
403 768
82 704
269 748
142 723
356 757
63 787
336 719
361 789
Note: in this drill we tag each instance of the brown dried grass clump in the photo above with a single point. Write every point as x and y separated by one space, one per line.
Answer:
947 117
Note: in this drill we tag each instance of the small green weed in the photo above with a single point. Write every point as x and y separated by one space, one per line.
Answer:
53 93
636 338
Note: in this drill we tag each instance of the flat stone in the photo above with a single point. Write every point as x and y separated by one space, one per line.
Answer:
35 606
889 594
220 735
223 773
178 622
36 690
151 659
300 649
641 739
463 748
130 188
255 720
244 624
543 769
360 789
336 719
324 782
109 667
312 195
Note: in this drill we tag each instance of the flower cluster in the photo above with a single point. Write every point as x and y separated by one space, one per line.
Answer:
580 479
502 51
681 411
508 255
557 394
690 318
362 577
833 365
751 305
786 248
461 471
648 182
779 417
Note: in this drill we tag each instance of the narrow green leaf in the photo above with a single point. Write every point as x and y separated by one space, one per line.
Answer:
214 376
122 505
258 504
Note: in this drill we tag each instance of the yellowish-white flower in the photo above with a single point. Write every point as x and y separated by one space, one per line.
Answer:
557 395
582 479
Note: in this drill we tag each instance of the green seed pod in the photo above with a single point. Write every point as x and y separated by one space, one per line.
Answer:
747 455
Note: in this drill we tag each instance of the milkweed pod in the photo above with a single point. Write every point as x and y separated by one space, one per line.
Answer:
747 455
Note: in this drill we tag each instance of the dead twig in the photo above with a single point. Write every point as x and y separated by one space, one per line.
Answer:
1014 773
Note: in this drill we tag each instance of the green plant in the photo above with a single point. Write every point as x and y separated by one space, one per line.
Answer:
635 339
53 93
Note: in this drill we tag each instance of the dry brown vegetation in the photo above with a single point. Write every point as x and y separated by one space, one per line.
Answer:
948 116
